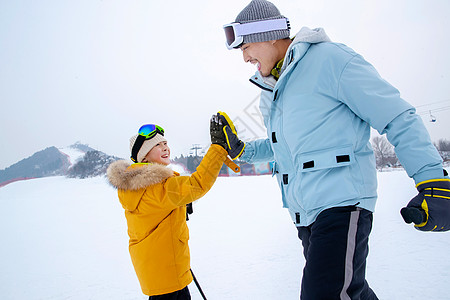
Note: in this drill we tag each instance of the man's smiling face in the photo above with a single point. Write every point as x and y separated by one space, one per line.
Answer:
262 54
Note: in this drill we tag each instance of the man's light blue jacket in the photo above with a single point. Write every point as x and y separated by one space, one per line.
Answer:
318 116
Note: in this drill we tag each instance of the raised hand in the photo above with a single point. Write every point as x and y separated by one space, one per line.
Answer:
235 145
217 133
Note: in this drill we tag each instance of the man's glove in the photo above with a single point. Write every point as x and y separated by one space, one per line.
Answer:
216 132
235 145
430 209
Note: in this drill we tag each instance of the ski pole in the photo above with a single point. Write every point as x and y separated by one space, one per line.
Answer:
198 286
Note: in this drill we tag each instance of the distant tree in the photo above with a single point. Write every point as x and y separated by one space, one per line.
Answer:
82 147
384 152
193 162
443 146
94 163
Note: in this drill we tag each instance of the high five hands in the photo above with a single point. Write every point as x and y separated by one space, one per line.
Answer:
224 133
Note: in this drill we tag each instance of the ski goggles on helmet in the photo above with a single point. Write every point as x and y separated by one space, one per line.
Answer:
234 32
146 132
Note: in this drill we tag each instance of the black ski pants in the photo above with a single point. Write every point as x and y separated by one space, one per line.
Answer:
335 247
182 294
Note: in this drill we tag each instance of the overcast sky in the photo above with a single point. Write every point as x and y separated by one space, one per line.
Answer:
94 71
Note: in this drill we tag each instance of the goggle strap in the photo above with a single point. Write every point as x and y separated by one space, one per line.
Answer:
261 26
137 146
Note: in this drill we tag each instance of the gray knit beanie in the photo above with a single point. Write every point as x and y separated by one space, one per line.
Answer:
259 10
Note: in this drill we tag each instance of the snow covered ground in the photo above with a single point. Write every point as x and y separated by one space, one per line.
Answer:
66 239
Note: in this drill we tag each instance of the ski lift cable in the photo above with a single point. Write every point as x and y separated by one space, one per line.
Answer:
436 109
439 109
425 112
426 104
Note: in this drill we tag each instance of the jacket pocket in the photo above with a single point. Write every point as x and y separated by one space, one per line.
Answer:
327 177
326 159
184 234
276 172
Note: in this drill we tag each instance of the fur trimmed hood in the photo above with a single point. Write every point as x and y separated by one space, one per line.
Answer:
126 176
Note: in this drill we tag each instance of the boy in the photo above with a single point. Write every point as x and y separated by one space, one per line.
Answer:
154 198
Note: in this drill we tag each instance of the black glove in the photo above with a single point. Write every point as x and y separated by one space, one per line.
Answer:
430 209
216 132
235 145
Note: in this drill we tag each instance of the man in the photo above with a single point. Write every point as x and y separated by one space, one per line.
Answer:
319 100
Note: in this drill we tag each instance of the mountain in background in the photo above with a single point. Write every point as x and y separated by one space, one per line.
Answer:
94 163
76 161
82 147
48 162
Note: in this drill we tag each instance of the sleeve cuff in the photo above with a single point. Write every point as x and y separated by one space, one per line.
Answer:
249 151
437 173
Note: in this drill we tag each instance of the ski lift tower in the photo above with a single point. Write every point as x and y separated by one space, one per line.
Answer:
196 147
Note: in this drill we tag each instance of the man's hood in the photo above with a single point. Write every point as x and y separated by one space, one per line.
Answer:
312 36
299 46
303 39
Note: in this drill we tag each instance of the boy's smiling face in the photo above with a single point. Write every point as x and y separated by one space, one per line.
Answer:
159 154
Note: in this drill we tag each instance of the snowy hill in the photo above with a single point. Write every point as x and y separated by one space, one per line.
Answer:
76 161
66 238
47 162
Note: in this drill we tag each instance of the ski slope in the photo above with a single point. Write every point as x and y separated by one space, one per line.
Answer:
72 153
67 239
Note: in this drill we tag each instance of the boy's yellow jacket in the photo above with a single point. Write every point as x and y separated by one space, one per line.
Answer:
154 198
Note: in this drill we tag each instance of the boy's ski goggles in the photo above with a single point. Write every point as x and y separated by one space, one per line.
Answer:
235 32
150 130
146 132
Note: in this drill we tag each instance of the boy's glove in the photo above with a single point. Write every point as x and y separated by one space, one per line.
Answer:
216 131
430 209
235 145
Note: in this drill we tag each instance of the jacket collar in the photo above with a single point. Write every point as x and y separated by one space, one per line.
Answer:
298 48
126 176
